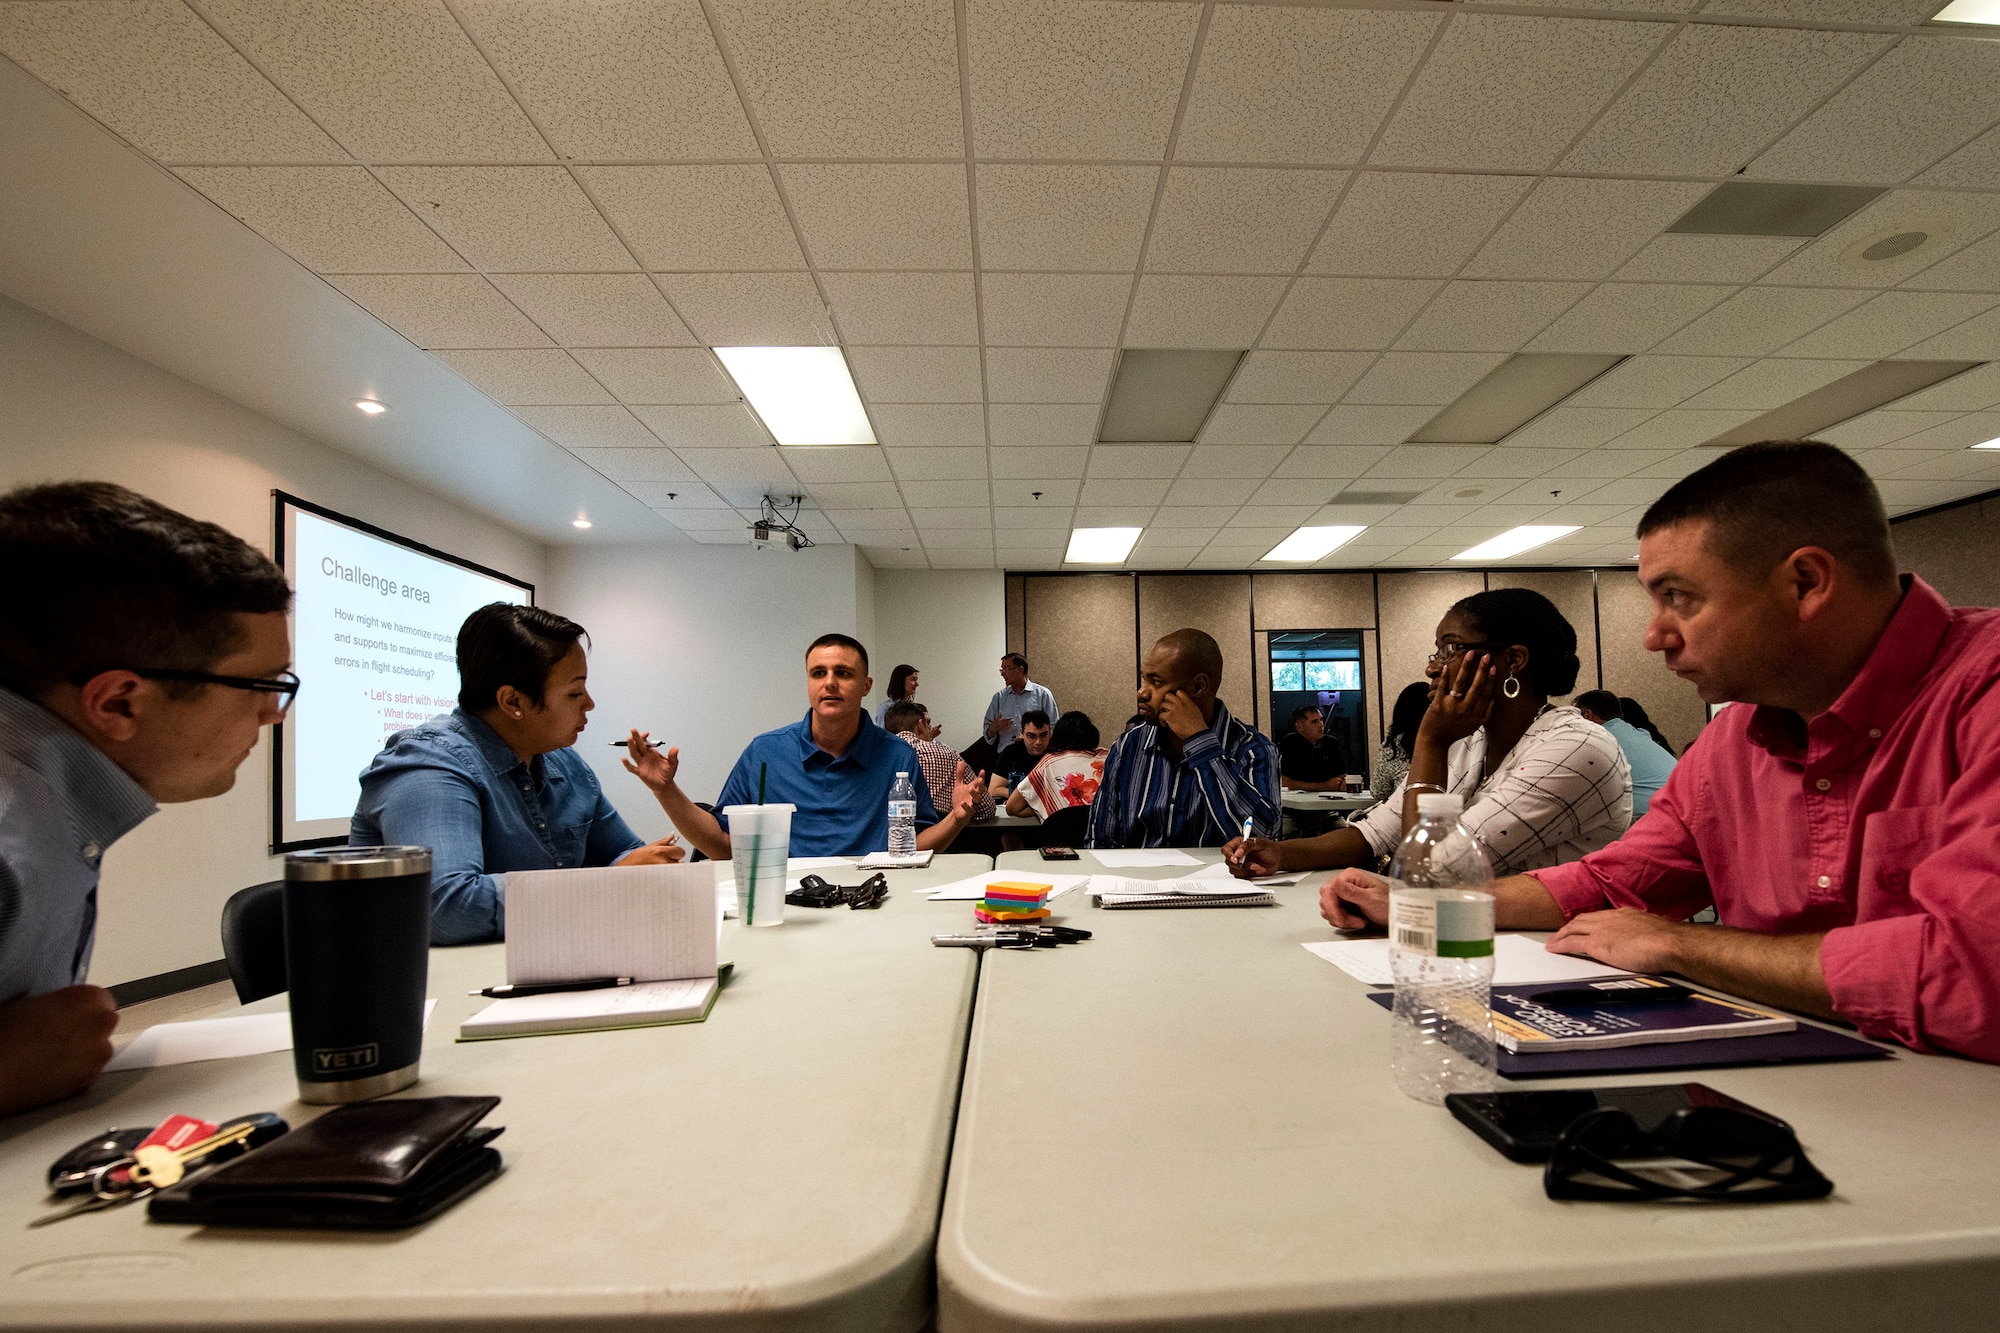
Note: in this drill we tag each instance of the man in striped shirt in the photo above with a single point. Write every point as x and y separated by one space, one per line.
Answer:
1190 775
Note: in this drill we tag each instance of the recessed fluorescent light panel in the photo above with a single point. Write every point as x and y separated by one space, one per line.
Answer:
1990 444
804 395
1515 542
1764 208
1100 546
1309 544
1517 391
1162 396
1847 397
371 407
1969 11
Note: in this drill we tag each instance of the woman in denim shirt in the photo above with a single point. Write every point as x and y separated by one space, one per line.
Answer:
493 786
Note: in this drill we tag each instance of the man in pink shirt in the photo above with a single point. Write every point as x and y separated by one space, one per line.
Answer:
1844 816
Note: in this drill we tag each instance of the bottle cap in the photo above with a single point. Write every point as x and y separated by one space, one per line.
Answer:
1446 804
901 774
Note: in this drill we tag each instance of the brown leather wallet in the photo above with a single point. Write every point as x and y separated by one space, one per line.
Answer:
380 1164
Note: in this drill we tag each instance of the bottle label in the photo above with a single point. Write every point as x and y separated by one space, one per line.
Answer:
1445 929
1413 924
902 810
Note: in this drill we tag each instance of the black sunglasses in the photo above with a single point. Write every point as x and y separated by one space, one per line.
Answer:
1703 1153
816 892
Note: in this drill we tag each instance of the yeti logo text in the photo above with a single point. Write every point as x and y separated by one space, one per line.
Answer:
348 1059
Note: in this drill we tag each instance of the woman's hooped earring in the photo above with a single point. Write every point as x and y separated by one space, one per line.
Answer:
1511 687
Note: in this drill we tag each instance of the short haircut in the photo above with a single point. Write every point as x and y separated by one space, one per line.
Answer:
1074 731
100 578
503 644
1509 616
1015 659
1764 501
1197 653
1034 717
903 715
1601 702
839 641
1304 711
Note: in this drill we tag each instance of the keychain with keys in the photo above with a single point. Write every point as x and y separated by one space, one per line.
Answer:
152 1165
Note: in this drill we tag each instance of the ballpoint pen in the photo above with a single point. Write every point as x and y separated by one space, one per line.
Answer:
654 744
550 987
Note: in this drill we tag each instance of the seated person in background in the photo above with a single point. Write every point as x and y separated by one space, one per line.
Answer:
902 689
494 786
1842 818
1307 759
1540 784
141 654
1017 760
1629 709
1651 762
1068 775
943 769
835 764
1399 741
1190 775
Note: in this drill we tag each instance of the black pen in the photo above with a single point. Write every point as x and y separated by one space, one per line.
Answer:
654 744
550 987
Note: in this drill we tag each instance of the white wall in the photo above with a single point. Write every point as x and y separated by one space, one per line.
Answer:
702 647
950 624
74 407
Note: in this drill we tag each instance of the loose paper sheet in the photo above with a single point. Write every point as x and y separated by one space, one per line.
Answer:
1517 961
1221 872
650 923
213 1039
975 886
1136 858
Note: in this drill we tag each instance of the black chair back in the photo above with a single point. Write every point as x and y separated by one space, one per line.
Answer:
1066 827
253 940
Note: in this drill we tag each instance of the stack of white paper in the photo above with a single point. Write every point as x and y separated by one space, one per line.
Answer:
1138 858
650 923
1517 961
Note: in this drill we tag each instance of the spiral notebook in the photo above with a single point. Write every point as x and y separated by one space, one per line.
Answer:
1113 891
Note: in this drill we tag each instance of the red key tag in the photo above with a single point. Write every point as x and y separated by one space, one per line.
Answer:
173 1133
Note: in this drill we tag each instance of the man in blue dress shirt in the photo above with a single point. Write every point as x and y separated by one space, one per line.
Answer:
1651 762
836 765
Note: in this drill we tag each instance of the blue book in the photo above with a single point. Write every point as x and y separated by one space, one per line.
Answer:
1524 1026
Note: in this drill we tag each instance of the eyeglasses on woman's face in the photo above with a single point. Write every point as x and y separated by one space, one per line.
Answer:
1448 651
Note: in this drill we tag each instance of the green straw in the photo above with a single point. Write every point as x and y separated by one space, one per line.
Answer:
756 846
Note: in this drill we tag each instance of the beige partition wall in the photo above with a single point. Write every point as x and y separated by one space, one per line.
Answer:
1077 634
1956 551
1318 601
1017 615
1622 611
1412 604
1574 591
1218 604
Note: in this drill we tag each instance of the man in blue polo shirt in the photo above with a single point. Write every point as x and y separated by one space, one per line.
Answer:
835 764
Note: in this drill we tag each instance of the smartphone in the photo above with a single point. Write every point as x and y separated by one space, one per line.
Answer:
1526 1125
1060 854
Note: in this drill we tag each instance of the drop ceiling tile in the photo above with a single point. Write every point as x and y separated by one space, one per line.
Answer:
1961 433
1607 463
1759 320
1968 392
442 310
1530 85
1030 425
738 472
961 560
1019 492
1212 490
617 78
1627 316
1716 95
1435 461
1678 465
1041 462
1376 427
903 308
1835 260
1631 490
1259 423
1413 224
1076 78
1280 517
1911 107
849 78
876 495
916 374
1949 465
929 425
578 428
659 374
714 526
1435 378
856 463
705 426
511 218
1461 495
1975 340
750 309
1514 460
1909 493
673 498
1689 258
597 309
1054 309
1489 316
690 218
1296 377
1572 228
163 80
331 219
1175 310
1149 461
528 376
1123 492
1063 217
1041 375
943 519
1680 428
853 522
1773 383
1043 516
1976 268
1891 322
1239 219
922 464
1234 460
1114 516
639 465
882 215
1262 93
1574 428
1171 537
888 557
1191 518
1655 381
1873 430
1346 313
393 80
1976 165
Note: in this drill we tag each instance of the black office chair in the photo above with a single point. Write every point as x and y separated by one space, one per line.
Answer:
1065 828
695 853
253 940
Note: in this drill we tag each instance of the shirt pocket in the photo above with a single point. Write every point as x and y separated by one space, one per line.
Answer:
568 842
1892 843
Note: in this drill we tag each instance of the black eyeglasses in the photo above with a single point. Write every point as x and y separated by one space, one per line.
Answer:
285 685
1443 655
1710 1153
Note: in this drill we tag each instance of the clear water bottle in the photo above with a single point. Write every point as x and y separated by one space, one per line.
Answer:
1441 953
902 817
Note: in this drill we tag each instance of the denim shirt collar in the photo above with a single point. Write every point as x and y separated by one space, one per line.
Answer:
102 800
499 755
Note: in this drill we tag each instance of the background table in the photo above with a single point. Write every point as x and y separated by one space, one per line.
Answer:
1337 802
776 1167
1189 1122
